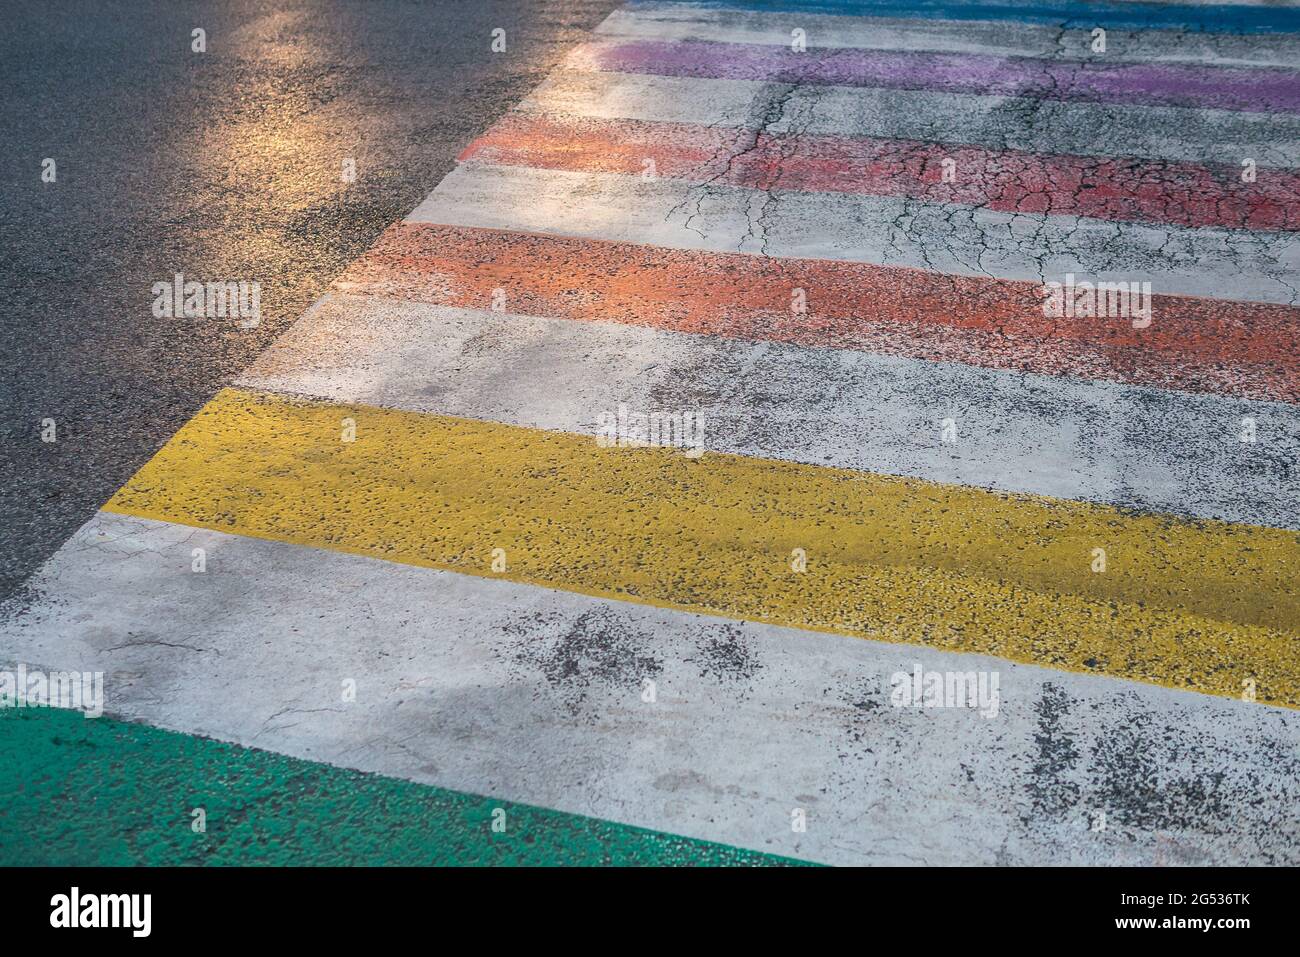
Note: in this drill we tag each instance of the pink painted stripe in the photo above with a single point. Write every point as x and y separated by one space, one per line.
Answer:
1122 189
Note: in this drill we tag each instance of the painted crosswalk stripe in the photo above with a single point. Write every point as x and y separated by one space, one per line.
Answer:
1188 17
1148 449
1007 181
1172 134
1201 345
678 21
1241 265
109 777
1192 605
534 695
1227 88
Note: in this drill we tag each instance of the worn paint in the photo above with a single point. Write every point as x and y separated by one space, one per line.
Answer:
490 686
1064 437
1011 181
1059 127
1200 345
1199 605
681 21
951 239
1230 88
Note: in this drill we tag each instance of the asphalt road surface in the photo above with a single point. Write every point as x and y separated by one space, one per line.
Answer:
220 165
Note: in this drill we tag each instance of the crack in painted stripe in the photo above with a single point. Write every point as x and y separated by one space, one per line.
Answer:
1178 194
949 239
1261 90
1169 133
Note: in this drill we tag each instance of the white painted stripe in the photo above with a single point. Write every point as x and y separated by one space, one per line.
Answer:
882 230
535 695
671 21
1223 137
1063 437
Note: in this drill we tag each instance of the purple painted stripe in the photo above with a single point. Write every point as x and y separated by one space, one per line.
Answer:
1261 90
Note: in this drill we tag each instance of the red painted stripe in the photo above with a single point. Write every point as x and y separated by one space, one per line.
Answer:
1120 189
1198 345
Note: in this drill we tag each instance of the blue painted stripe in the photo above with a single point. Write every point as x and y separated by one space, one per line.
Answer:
1073 13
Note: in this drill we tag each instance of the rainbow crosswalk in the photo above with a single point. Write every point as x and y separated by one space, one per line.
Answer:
824 229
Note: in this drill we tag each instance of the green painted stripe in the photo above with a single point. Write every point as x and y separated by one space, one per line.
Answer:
78 791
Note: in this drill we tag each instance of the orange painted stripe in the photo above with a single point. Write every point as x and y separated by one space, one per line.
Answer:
1116 189
1197 345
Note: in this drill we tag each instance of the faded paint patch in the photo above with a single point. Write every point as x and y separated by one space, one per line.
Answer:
597 659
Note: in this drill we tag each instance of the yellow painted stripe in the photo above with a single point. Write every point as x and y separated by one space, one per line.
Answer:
1203 605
